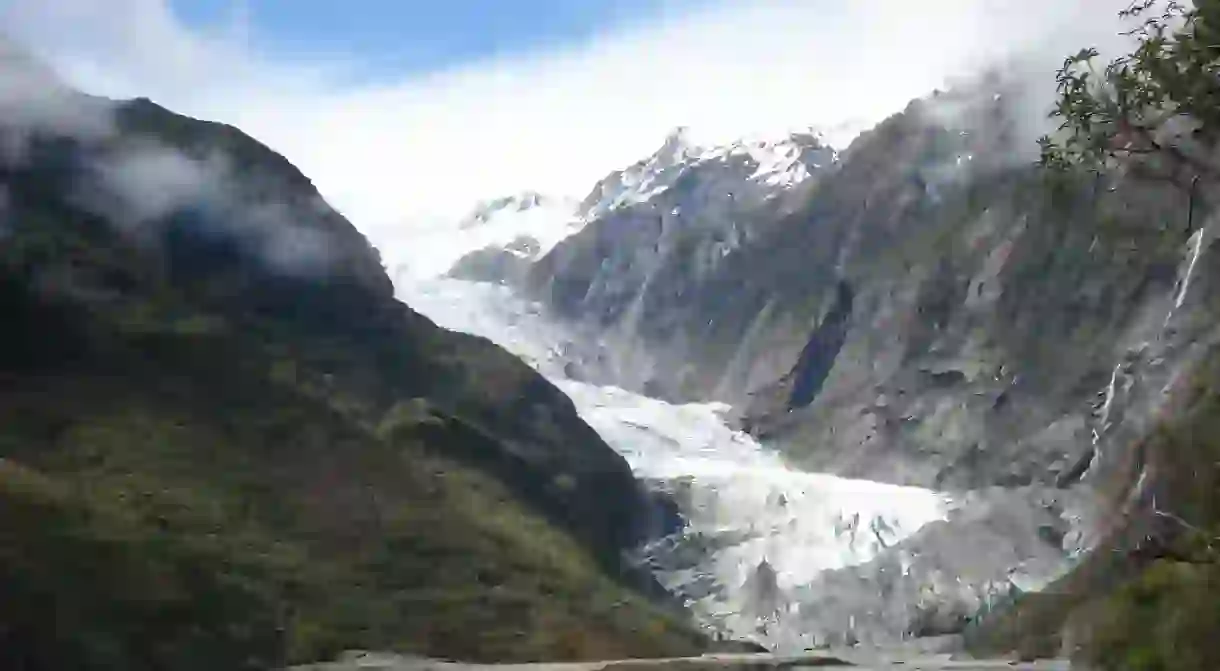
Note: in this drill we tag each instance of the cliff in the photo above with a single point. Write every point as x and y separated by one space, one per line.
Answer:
932 309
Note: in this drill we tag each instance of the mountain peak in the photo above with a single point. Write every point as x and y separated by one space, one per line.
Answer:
523 201
676 140
770 162
677 147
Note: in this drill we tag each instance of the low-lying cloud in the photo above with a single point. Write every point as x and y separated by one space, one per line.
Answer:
401 152
152 182
141 184
33 100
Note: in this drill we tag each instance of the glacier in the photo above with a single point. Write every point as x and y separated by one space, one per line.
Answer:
761 515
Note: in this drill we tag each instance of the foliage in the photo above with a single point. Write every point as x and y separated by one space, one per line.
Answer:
1159 103
1164 620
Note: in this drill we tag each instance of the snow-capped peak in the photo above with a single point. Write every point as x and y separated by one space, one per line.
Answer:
770 162
529 224
489 210
678 147
780 161
526 224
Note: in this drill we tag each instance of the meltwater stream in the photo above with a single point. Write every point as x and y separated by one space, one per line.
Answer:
759 534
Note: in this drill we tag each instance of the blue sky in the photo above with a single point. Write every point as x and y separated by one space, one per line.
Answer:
402 36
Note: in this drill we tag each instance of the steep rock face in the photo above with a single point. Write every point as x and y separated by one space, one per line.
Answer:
987 307
820 352
932 310
658 232
209 394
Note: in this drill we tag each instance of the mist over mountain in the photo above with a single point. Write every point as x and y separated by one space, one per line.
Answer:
903 345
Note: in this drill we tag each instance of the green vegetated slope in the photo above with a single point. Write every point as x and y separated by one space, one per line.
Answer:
224 445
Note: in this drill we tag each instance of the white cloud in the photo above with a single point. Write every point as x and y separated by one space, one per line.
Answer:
141 183
395 154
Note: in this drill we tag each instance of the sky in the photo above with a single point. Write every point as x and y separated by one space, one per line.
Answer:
410 36
405 113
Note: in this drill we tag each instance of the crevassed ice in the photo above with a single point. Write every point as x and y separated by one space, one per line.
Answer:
772 529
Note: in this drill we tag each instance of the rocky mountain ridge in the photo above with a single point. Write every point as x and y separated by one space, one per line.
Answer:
508 233
774 163
754 306
484 213
931 309
681 173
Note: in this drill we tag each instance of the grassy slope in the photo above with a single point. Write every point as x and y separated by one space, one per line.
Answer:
208 466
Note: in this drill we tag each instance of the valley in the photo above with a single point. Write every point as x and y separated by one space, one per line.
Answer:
943 393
